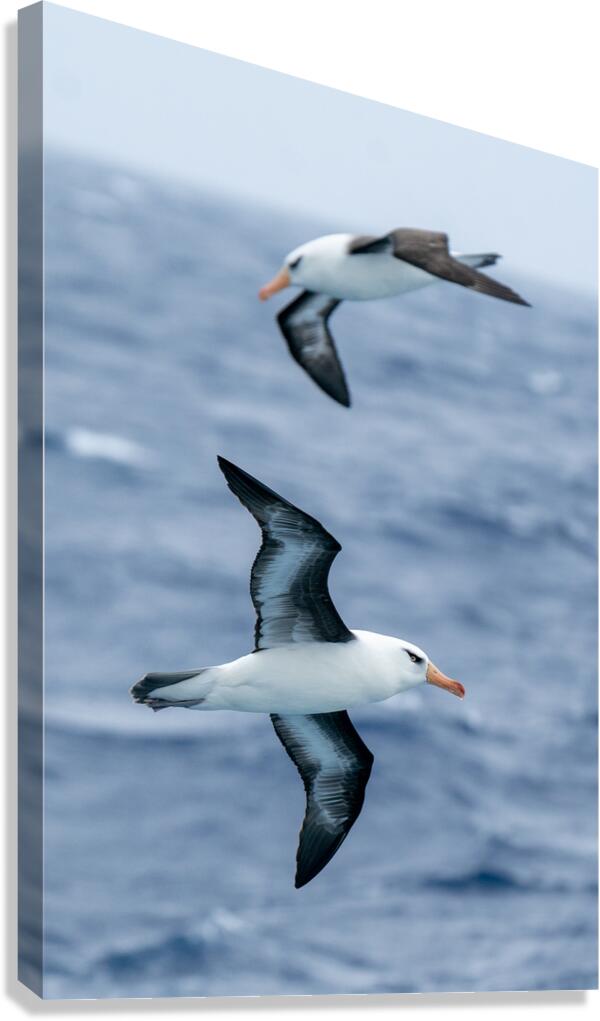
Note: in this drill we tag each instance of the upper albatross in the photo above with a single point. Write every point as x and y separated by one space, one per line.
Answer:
358 268
307 669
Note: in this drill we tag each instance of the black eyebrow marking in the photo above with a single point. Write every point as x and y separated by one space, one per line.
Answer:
293 264
413 655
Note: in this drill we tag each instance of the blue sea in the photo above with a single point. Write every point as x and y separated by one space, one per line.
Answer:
462 487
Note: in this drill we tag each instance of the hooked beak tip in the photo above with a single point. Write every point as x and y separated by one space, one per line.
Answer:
435 676
279 281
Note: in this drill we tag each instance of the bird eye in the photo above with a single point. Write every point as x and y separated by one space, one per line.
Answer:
296 262
415 659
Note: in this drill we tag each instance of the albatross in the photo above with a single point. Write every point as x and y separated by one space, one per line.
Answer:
352 267
307 669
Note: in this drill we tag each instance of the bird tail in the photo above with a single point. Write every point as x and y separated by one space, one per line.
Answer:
480 260
145 690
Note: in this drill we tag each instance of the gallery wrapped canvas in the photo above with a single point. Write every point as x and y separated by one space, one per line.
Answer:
307 399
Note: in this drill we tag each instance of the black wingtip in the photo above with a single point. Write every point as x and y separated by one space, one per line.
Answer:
340 394
223 463
234 475
251 492
303 880
310 872
233 471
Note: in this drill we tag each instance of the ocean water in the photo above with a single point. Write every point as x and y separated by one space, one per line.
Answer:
462 486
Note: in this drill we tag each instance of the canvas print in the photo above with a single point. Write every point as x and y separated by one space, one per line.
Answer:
281 530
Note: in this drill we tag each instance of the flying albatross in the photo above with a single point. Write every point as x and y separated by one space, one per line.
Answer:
306 670
358 268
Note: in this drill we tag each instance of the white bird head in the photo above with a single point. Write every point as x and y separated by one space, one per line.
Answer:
289 274
417 668
302 266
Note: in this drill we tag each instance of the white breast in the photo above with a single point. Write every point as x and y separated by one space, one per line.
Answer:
329 269
316 677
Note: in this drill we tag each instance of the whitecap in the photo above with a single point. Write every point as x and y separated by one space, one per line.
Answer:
106 447
545 382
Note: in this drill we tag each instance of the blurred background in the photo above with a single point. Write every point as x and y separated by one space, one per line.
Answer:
462 486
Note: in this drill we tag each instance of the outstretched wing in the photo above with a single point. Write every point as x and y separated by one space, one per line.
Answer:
304 324
335 765
288 584
428 250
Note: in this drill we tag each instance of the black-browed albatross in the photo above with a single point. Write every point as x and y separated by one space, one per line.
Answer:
353 267
306 670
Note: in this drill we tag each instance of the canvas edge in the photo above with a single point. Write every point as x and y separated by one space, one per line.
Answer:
30 498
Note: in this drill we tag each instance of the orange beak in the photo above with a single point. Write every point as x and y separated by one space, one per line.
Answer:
281 280
435 676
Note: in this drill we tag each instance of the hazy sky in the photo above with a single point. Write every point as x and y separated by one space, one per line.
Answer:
184 113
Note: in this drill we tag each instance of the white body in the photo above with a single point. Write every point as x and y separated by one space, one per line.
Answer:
311 677
327 268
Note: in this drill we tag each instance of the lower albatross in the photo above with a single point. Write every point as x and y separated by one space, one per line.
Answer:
306 670
359 268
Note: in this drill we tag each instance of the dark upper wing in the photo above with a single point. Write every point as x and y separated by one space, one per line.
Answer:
335 766
304 325
288 584
428 250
